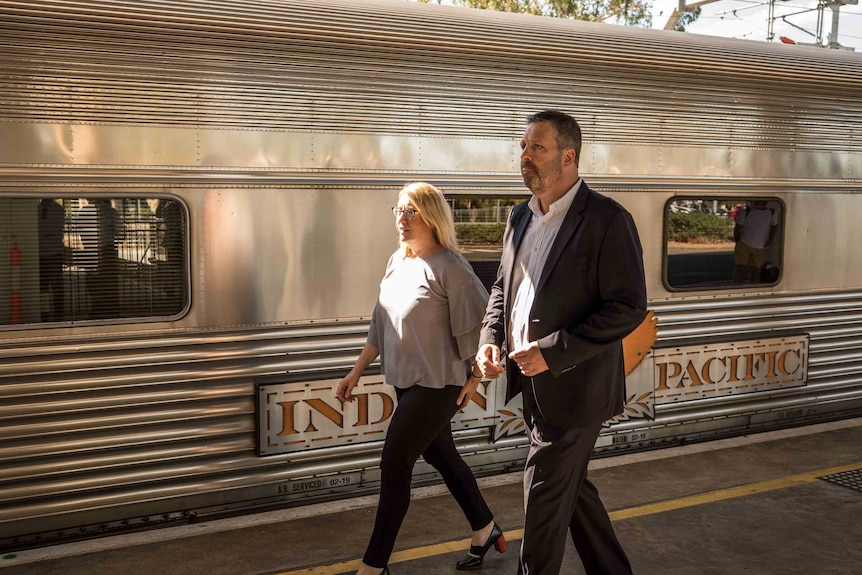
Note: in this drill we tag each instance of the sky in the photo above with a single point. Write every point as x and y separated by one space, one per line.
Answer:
748 19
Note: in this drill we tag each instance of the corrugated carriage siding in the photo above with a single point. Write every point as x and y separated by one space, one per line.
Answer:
147 423
365 66
834 324
159 427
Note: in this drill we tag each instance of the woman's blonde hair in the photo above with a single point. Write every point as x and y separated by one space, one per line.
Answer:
433 208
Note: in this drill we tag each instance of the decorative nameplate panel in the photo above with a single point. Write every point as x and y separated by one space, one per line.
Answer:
731 368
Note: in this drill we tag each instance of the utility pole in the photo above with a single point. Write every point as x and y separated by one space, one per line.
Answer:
666 13
770 21
836 5
832 42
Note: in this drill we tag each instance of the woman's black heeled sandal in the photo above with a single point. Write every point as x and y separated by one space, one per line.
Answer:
477 552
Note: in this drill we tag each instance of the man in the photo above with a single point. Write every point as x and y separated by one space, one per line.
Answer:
569 288
52 219
100 228
754 230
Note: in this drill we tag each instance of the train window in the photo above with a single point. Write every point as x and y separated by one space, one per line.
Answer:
96 258
479 223
718 243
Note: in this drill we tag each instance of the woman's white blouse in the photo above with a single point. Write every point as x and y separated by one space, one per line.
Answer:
427 319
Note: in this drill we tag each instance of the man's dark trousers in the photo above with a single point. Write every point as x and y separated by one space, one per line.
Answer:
558 495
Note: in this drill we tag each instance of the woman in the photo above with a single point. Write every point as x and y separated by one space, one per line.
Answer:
425 328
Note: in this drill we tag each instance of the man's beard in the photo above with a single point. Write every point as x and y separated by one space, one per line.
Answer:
539 180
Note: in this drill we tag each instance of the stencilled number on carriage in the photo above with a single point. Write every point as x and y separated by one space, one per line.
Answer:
794 413
330 482
340 481
790 414
636 436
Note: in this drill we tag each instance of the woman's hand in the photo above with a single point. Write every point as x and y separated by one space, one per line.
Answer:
468 391
344 391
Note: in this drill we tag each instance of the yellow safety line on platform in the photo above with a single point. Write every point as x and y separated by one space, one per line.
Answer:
660 507
729 493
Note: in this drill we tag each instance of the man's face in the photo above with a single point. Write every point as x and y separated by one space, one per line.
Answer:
541 159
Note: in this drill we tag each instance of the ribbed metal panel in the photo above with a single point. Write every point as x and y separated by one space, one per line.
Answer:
142 420
381 66
833 322
815 313
98 422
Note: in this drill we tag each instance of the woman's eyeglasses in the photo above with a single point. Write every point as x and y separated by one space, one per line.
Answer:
410 213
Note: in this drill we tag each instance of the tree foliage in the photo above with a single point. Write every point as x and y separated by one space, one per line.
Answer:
630 12
687 18
698 228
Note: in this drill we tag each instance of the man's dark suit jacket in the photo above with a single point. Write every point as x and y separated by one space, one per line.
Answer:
591 294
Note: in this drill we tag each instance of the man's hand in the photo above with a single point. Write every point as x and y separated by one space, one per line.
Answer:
530 360
488 361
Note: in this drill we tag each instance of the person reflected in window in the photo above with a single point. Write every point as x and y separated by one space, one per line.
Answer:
754 229
171 222
100 228
52 219
425 328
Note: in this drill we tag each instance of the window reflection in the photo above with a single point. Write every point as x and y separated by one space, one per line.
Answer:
479 224
51 224
723 242
91 258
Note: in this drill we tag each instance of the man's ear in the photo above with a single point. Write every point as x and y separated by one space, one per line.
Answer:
570 157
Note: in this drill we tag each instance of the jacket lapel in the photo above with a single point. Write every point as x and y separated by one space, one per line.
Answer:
571 221
519 227
520 220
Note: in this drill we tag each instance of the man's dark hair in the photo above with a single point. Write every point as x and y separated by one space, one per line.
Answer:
568 130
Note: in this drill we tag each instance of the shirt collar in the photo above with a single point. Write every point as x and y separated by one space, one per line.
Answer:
560 206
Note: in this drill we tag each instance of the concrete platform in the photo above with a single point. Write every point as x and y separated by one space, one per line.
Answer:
752 505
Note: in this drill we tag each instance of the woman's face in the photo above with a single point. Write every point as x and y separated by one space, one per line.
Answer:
416 233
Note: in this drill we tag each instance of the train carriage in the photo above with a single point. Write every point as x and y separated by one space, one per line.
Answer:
194 200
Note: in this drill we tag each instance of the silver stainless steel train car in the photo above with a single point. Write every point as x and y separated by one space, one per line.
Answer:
194 218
